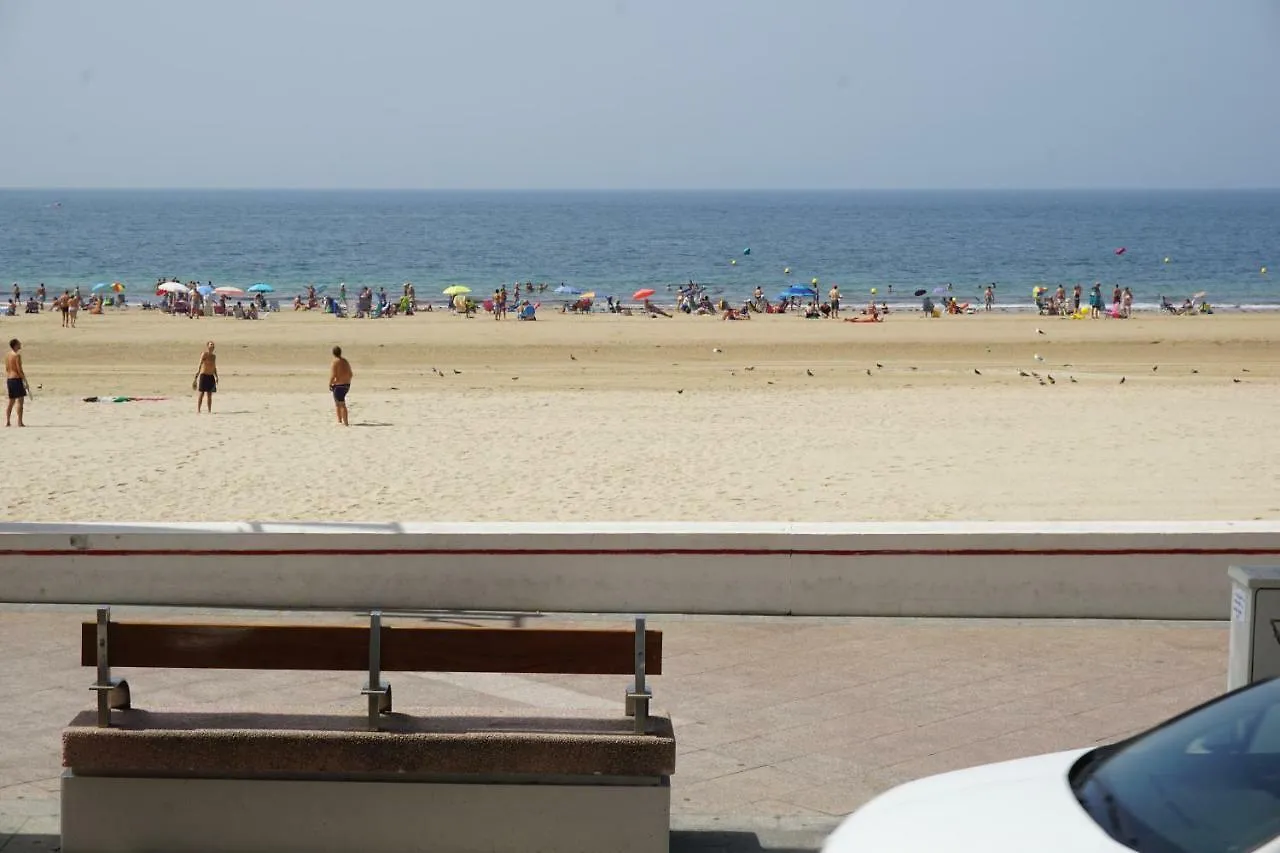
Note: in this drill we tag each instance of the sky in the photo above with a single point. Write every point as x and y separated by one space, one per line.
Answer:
640 94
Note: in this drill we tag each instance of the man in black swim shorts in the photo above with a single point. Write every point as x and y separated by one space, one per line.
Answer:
206 381
15 380
340 375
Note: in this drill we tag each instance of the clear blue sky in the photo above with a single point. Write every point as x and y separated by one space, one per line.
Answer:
640 93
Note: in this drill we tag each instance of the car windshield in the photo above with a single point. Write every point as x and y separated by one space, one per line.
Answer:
1205 782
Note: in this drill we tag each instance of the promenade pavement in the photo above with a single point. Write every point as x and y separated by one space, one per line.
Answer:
783 724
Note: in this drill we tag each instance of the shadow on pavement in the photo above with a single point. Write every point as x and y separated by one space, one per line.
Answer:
29 843
728 841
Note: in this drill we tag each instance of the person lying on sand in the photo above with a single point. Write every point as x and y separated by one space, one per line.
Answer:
654 310
735 314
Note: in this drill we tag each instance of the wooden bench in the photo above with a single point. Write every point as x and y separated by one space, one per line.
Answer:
440 779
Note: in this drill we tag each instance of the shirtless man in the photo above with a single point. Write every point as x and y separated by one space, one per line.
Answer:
15 381
206 381
340 383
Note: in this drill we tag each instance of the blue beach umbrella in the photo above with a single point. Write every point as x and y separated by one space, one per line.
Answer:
204 290
260 287
102 285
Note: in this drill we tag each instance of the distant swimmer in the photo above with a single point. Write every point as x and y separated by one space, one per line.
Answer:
340 375
206 382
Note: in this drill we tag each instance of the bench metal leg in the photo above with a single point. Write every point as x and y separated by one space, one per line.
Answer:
113 693
638 695
378 691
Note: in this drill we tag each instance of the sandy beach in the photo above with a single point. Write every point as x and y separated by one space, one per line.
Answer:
605 418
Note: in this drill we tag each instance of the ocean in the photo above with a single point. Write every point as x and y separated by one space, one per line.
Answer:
1175 242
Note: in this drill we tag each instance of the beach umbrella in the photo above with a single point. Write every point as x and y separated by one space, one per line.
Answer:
564 288
171 287
117 287
102 285
204 290
1199 294
228 291
261 287
590 294
643 294
455 289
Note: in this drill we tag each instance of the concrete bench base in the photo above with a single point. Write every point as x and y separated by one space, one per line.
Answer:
126 815
452 780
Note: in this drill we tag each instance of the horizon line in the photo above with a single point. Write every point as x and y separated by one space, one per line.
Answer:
1058 189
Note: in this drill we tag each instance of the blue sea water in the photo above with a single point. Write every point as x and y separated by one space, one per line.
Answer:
615 242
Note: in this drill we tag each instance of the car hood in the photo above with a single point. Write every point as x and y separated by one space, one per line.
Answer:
1010 807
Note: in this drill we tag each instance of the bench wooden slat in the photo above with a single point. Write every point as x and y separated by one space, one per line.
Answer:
346 648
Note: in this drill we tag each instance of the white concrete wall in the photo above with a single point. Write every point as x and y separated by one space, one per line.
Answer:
1130 570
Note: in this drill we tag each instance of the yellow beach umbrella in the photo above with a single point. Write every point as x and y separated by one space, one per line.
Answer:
455 289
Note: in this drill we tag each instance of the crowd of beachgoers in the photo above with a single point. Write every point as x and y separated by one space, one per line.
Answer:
525 299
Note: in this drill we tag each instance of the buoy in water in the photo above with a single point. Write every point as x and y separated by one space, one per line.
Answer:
746 251
815 281
873 291
734 262
787 271
1264 270
1166 260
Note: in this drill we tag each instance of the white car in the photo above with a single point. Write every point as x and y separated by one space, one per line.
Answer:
1207 781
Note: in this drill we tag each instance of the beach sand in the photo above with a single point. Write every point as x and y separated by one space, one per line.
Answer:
607 418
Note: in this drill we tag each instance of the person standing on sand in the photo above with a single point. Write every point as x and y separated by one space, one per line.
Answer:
206 382
15 380
340 375
834 296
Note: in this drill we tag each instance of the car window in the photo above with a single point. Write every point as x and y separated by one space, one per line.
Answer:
1205 782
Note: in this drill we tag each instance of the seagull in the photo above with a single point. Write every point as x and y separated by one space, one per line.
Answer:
808 371
1039 331
716 349
572 357
1244 370
1038 357
868 371
913 368
679 390
1235 379
1050 378
457 372
749 368
1154 368
514 378
1121 380
1073 379
977 371
1024 374
881 366
1193 370
1042 382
